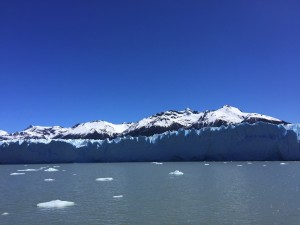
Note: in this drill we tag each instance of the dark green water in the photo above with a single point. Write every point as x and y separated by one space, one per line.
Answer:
218 193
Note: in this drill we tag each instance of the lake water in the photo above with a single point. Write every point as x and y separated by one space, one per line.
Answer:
218 193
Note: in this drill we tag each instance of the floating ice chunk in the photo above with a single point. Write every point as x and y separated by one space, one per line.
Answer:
51 170
105 179
13 174
49 179
118 196
249 163
29 170
55 204
56 166
176 173
264 165
283 163
206 164
157 163
239 165
5 214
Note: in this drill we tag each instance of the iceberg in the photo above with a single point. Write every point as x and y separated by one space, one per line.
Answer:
51 170
29 170
48 179
118 196
55 204
176 173
104 179
242 142
16 174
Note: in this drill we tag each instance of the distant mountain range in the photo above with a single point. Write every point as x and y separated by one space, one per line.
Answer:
159 123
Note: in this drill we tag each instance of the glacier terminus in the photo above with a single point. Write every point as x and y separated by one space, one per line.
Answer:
225 134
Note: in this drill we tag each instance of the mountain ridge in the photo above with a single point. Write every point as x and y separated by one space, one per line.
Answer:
169 120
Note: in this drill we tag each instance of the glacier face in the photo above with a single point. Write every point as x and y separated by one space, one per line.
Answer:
244 141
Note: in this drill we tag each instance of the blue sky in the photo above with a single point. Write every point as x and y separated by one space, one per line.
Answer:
64 62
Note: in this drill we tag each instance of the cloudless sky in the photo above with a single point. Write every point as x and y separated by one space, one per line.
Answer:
64 62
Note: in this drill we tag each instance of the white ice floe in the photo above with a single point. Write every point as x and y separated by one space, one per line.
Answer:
157 163
55 204
239 165
29 170
5 214
264 165
74 174
51 170
118 196
49 179
176 173
56 166
13 174
105 179
249 163
206 164
283 163
43 167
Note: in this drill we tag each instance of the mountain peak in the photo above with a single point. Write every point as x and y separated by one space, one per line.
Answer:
2 132
158 123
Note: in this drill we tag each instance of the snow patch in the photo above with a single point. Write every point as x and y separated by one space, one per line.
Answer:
55 204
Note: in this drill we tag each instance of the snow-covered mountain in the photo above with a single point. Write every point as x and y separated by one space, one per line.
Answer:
173 120
2 133
166 121
94 130
36 132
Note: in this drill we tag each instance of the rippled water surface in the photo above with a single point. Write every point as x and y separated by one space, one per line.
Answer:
146 193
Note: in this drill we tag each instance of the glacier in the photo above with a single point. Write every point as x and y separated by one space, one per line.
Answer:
242 142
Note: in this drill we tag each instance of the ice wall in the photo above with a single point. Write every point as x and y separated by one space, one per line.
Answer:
260 141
